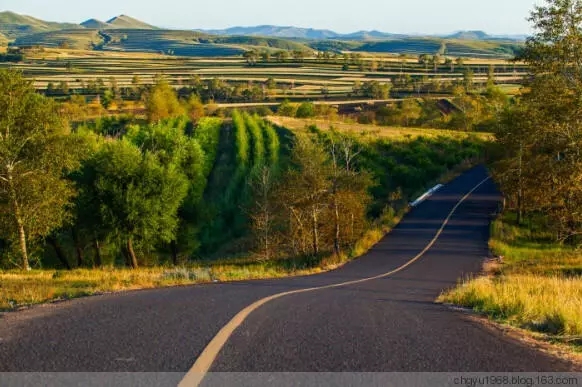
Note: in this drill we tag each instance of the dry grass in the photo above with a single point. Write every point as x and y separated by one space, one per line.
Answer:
551 305
18 288
535 284
374 131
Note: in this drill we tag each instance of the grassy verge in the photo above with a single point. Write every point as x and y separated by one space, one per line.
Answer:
19 289
536 286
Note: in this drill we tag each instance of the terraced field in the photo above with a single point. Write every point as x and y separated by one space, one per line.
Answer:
451 47
76 39
310 79
179 43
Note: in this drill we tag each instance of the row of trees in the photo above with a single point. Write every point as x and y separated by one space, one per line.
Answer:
136 192
540 136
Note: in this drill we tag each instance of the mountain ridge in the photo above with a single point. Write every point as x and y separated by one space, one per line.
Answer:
14 25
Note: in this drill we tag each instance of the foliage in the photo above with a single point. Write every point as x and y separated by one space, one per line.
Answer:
162 102
541 136
35 151
138 196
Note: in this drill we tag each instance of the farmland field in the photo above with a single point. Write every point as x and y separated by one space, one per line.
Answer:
310 78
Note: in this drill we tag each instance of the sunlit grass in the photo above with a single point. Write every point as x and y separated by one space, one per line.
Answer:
19 288
374 131
551 304
537 286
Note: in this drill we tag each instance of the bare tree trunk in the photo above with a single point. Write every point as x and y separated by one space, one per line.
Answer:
336 239
25 265
53 241
315 233
98 261
22 241
131 254
174 247
78 248
520 187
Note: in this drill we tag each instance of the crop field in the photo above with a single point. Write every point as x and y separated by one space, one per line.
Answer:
308 78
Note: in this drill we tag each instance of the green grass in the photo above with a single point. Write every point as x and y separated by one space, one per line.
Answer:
537 287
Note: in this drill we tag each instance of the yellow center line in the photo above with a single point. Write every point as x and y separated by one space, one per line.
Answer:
204 362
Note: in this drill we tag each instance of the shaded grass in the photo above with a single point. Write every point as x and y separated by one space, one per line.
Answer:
537 286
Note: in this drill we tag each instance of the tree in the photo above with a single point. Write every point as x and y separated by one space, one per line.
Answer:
251 57
287 109
468 79
305 194
36 151
349 197
195 108
173 148
306 110
264 212
410 111
162 102
543 134
138 197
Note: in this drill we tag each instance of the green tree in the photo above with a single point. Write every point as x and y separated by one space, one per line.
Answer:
35 151
542 136
306 110
162 102
138 197
410 111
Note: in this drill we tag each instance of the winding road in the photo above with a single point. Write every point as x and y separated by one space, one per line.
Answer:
376 314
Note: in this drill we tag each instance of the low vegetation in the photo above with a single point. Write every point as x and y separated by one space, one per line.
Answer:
536 286
179 190
538 283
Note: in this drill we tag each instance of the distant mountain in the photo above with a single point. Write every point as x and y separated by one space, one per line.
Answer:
481 35
277 32
13 25
469 35
95 24
3 40
126 22
517 38
371 35
299 33
315 34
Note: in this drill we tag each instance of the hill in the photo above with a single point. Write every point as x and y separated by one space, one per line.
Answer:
181 43
261 42
276 31
470 35
450 47
13 25
126 22
3 40
84 39
95 24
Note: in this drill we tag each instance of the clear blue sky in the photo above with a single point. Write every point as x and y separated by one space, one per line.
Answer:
401 16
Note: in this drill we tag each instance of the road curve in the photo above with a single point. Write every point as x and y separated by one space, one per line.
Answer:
383 325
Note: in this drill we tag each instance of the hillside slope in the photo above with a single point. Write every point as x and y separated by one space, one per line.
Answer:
83 39
95 24
181 43
13 25
127 22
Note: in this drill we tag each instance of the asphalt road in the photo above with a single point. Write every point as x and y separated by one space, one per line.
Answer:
383 325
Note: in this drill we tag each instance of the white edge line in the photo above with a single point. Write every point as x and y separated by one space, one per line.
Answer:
204 362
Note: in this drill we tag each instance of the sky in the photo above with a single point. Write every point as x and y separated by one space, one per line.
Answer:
397 16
